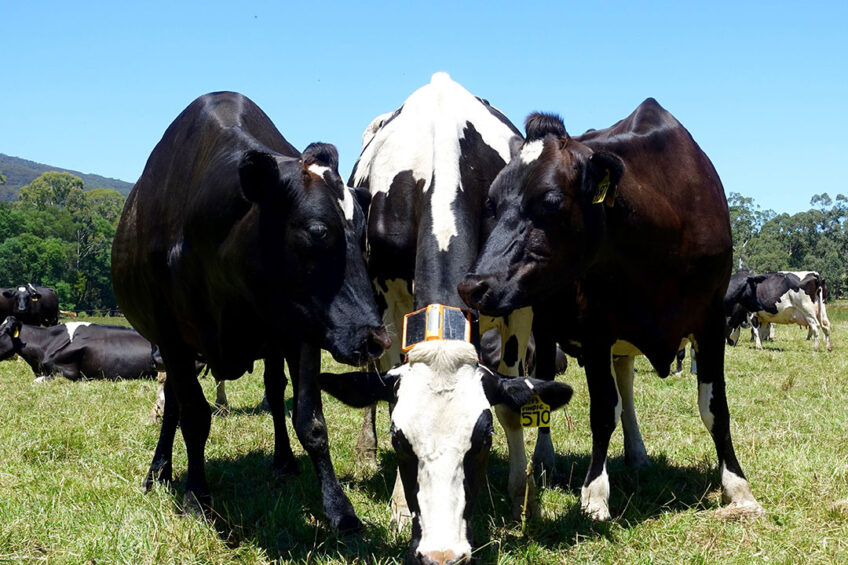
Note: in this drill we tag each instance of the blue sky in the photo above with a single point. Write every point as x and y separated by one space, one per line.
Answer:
762 86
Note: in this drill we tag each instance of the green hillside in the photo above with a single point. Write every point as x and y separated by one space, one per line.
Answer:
20 172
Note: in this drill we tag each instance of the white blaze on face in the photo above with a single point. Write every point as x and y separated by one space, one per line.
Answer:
424 138
531 151
72 327
440 399
346 201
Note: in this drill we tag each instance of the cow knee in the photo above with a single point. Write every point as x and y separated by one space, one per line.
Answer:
312 433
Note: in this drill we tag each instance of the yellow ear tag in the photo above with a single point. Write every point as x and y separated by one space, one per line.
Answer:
535 414
17 333
34 299
603 187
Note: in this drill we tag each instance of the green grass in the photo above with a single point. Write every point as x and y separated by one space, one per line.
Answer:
72 456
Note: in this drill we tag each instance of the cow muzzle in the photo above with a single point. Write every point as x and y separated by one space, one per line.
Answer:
441 558
477 291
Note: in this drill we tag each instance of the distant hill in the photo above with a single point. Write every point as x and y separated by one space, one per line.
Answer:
20 172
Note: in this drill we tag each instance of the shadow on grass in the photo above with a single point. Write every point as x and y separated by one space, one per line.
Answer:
284 516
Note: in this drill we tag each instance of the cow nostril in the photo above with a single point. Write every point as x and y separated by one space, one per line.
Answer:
378 341
441 558
473 289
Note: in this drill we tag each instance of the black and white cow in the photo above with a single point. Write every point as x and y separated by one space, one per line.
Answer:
442 433
233 246
784 298
38 305
621 238
79 350
427 167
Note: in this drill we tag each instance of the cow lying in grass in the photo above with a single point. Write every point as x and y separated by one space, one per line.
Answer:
79 350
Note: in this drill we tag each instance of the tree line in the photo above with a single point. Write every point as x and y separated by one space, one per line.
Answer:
59 235
815 240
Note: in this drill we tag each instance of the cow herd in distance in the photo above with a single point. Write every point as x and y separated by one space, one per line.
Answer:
234 246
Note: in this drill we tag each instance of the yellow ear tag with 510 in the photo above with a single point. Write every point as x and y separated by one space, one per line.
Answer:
535 414
603 187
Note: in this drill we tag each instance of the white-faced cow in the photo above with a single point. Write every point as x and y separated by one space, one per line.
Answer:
784 298
38 305
428 166
621 237
79 350
234 246
442 434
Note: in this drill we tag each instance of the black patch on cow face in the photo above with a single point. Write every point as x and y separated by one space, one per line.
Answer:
407 467
475 463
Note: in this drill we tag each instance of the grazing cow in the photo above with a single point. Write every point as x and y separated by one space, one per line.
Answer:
784 298
621 238
38 305
79 350
427 167
234 246
442 433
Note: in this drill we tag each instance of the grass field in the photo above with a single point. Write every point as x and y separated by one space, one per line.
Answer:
72 455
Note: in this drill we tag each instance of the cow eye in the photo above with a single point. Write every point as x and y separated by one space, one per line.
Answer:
551 202
318 231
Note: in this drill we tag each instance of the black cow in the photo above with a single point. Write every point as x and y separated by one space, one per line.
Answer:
783 298
38 305
621 238
80 350
234 246
427 167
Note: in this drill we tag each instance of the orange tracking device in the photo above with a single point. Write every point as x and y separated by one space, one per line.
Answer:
435 321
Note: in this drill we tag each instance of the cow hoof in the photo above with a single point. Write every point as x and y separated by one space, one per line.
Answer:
348 524
598 511
196 505
365 462
287 469
748 510
222 409
162 476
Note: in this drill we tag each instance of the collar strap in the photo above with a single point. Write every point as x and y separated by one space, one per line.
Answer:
436 321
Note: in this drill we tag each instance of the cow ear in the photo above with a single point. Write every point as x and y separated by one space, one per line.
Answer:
515 392
259 174
360 388
12 326
603 172
8 293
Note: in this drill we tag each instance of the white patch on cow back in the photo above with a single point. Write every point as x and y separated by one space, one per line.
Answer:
531 151
424 138
440 398
705 398
72 327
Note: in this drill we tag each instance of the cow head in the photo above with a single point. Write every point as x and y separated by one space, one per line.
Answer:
442 433
312 234
546 209
22 298
740 300
10 343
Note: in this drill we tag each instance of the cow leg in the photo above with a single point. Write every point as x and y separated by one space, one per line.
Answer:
222 405
546 351
161 469
285 463
712 403
757 333
635 454
158 409
681 355
305 363
604 413
693 361
396 296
